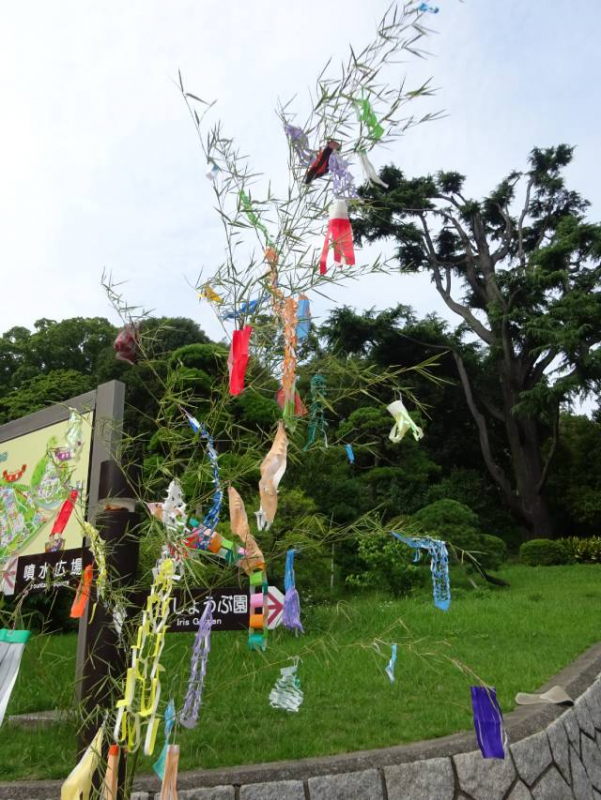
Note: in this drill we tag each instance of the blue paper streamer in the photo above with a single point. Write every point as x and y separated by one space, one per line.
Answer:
350 454
391 664
441 587
291 612
159 764
211 518
424 7
245 308
303 316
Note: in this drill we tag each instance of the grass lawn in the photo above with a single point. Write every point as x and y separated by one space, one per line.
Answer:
514 639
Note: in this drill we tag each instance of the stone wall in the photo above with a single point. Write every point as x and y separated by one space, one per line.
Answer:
553 754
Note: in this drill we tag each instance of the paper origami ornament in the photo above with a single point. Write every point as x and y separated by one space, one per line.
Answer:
317 420
238 359
303 317
368 117
79 783
488 722
391 664
339 237
110 785
126 344
320 165
402 423
244 309
169 785
287 693
343 182
291 612
299 143
198 669
206 293
349 453
252 557
12 644
82 595
439 566
371 176
272 471
159 764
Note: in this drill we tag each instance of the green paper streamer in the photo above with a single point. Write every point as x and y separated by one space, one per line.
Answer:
317 420
253 218
368 117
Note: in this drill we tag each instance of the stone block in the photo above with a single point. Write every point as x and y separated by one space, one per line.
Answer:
581 785
275 790
431 779
366 785
488 778
570 723
552 787
593 700
591 758
205 793
140 796
560 747
532 756
584 718
519 792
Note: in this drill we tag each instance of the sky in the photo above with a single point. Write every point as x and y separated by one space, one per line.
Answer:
100 168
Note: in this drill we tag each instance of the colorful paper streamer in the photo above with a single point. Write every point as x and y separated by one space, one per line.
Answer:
488 722
291 613
287 693
198 669
339 237
439 566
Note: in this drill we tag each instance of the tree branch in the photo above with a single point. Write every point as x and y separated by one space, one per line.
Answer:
521 224
541 484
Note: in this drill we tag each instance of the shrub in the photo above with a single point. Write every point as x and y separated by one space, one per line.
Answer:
388 565
582 551
543 552
494 551
439 516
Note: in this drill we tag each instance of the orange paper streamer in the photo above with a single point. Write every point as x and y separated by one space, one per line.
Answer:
83 593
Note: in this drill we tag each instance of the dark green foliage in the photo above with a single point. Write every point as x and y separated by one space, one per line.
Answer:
543 553
582 551
495 551
386 564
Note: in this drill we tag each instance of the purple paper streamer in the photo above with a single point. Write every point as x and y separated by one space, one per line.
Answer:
198 668
291 612
488 722
344 183
300 143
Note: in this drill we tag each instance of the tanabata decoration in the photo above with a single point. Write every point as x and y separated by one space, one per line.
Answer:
82 596
289 365
254 220
143 686
251 558
110 785
12 644
291 612
320 164
98 548
126 344
169 785
272 471
488 722
439 566
342 180
211 518
299 143
424 7
79 783
391 664
317 420
63 516
402 423
73 439
170 716
244 309
303 319
367 117
198 669
300 409
238 359
214 171
172 511
349 453
207 293
339 237
371 176
287 693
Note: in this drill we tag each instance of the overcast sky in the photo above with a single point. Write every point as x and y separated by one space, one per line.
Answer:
100 168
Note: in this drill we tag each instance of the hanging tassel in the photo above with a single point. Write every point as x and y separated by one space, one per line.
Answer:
371 176
12 644
169 787
238 359
79 783
291 612
287 693
317 419
488 722
83 593
111 776
339 236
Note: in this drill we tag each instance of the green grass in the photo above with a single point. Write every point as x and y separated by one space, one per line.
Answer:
514 639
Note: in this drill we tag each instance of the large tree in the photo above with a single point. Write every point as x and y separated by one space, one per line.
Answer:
521 269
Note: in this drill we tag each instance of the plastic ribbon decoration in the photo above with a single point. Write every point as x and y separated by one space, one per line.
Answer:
402 423
291 612
299 143
207 293
287 693
254 220
303 317
425 8
371 176
439 566
272 471
79 783
110 785
339 236
126 344
342 179
169 785
238 359
245 308
317 420
368 117
320 164
159 764
488 722
391 664
143 687
198 669
289 366
350 454
98 548
82 595
12 644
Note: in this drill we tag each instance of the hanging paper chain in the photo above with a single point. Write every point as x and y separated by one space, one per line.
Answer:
198 669
343 181
291 613
299 143
439 566
253 218
317 420
287 693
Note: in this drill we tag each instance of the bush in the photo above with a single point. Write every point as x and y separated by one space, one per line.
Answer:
582 551
439 516
494 551
388 565
543 552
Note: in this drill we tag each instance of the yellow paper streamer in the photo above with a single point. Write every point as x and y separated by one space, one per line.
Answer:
79 783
